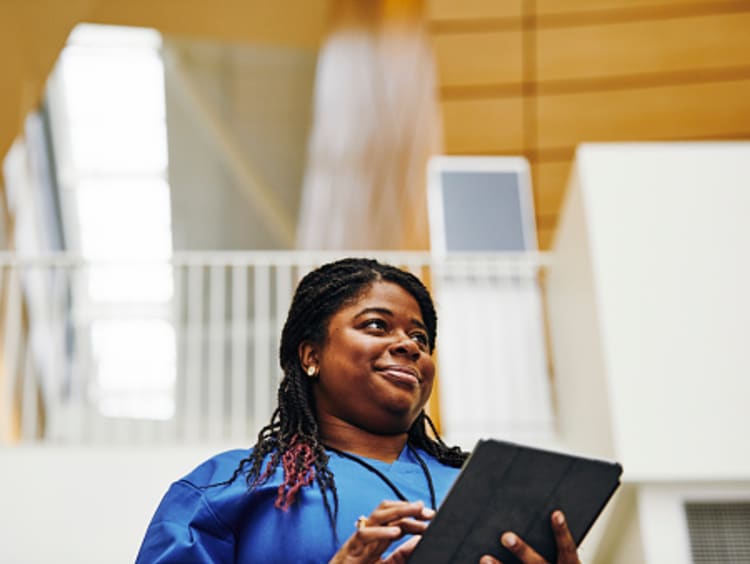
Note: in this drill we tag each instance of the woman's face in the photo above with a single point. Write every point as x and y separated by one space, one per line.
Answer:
375 368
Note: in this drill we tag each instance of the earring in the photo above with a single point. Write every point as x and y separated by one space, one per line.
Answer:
311 371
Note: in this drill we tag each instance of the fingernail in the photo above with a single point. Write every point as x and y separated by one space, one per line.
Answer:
428 513
509 540
485 560
558 517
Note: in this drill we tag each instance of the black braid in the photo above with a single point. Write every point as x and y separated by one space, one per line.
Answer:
419 437
293 429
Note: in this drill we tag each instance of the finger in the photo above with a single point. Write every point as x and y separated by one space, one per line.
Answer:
487 559
520 549
395 503
369 534
566 546
410 526
387 513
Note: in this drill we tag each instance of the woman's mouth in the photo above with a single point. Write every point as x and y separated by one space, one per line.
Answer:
402 375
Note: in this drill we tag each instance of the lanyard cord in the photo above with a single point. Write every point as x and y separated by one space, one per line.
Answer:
385 479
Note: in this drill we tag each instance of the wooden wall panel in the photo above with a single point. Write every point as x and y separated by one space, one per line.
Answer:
549 179
462 10
545 237
479 58
546 7
686 111
588 70
483 126
664 45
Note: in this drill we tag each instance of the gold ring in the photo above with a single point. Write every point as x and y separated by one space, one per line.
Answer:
361 523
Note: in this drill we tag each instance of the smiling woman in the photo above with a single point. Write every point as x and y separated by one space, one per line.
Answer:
356 351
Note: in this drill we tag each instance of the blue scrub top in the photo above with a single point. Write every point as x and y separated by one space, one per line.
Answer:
197 523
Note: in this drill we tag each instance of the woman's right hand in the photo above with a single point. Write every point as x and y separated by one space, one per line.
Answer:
566 547
390 521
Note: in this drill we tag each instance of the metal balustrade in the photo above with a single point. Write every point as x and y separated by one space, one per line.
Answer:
185 350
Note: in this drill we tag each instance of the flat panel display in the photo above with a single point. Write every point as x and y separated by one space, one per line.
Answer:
481 204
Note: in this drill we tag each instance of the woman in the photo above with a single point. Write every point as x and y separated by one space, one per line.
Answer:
349 433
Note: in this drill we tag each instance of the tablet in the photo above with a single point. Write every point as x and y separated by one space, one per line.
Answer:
510 487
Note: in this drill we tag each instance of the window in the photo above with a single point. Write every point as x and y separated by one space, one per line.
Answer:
107 108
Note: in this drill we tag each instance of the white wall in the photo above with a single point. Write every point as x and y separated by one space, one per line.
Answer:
661 272
582 398
84 504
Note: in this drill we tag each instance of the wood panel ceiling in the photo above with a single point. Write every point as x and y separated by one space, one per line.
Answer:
539 77
531 77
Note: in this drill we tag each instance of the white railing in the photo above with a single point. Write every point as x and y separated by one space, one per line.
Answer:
186 350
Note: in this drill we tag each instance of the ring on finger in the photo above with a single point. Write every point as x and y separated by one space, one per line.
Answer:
361 522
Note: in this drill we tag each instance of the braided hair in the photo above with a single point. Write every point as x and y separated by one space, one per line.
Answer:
291 439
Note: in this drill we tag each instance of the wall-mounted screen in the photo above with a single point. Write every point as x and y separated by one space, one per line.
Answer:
481 204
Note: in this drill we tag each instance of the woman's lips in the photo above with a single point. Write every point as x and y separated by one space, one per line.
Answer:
401 375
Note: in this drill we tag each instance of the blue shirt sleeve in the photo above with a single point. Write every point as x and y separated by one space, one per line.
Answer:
186 529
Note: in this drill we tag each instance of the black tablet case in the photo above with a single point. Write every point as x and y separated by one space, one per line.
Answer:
509 487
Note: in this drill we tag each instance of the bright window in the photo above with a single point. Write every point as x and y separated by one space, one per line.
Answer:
109 122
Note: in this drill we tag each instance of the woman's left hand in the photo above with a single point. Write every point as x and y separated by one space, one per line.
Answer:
566 548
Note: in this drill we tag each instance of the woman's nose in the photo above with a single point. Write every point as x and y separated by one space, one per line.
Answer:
405 345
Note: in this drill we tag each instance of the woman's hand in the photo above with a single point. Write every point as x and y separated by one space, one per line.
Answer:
390 521
566 548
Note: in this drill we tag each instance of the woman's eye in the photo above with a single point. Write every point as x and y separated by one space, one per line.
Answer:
421 338
375 324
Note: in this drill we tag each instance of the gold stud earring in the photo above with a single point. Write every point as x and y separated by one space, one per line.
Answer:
311 371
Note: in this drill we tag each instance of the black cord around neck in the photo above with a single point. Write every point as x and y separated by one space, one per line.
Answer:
385 478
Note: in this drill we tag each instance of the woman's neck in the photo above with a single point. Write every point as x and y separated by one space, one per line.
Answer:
349 438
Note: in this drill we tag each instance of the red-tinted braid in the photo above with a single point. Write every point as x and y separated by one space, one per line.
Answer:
299 471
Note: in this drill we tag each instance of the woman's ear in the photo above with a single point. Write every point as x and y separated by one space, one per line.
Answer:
308 358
